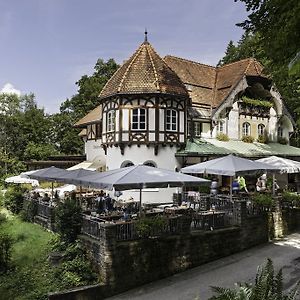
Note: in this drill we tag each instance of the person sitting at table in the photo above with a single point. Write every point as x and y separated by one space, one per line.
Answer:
235 186
46 198
35 195
214 187
261 184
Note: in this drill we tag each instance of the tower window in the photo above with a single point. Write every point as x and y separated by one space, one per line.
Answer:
110 123
246 129
138 121
171 121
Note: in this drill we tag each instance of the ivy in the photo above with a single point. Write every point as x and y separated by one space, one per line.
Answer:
257 102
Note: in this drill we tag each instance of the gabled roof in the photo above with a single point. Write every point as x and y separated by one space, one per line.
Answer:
211 85
93 116
145 72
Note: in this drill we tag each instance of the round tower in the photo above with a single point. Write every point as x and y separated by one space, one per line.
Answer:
144 109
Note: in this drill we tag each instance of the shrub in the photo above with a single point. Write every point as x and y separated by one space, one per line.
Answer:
282 140
222 137
29 211
292 198
263 200
257 102
147 227
68 220
248 139
6 242
262 139
75 270
13 199
2 218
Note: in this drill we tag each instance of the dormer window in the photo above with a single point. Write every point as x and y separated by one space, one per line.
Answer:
171 121
246 129
110 123
138 121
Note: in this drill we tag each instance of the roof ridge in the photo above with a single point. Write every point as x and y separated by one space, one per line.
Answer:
153 66
191 61
135 55
232 63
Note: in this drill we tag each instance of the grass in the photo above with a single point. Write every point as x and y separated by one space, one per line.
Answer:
31 277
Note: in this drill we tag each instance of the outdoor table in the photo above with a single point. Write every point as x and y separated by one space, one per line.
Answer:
176 210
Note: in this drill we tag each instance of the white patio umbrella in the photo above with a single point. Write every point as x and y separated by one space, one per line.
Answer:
19 180
47 174
229 165
283 164
139 177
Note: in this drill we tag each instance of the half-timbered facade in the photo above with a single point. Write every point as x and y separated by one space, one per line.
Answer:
167 112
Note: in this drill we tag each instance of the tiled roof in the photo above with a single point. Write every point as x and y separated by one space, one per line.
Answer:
203 147
211 85
144 72
93 116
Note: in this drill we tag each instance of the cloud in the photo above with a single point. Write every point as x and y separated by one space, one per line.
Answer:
10 89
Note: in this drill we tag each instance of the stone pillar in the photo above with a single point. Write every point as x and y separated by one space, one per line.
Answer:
239 212
107 243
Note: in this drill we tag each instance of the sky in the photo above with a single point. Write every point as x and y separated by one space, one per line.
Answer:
47 45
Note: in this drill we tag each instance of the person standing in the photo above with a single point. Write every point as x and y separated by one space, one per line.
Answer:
242 183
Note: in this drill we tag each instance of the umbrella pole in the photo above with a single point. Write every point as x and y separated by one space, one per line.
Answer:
230 188
273 185
80 194
140 208
52 190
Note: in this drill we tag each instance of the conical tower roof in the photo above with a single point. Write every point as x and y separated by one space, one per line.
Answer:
145 72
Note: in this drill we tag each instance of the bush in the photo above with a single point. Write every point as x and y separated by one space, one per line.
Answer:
75 270
282 140
263 200
222 137
292 198
147 227
29 211
262 139
68 220
248 139
6 242
13 199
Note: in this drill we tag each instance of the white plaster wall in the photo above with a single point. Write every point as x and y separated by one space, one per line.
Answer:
272 125
94 150
161 120
151 118
138 155
233 122
206 130
125 120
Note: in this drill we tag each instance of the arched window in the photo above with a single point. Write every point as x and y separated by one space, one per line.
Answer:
138 120
127 163
150 163
261 129
280 132
246 129
110 122
171 120
220 127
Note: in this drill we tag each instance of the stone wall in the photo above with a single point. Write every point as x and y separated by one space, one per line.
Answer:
126 264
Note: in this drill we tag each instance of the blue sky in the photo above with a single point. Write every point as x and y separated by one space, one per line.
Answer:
47 45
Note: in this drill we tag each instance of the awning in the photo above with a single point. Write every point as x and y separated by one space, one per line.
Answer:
89 165
207 147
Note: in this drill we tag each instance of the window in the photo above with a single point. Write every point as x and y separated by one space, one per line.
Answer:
98 130
261 129
150 163
127 163
246 129
220 127
138 121
110 123
189 128
171 122
280 132
197 129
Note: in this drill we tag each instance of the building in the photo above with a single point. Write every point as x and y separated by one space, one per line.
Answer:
169 112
